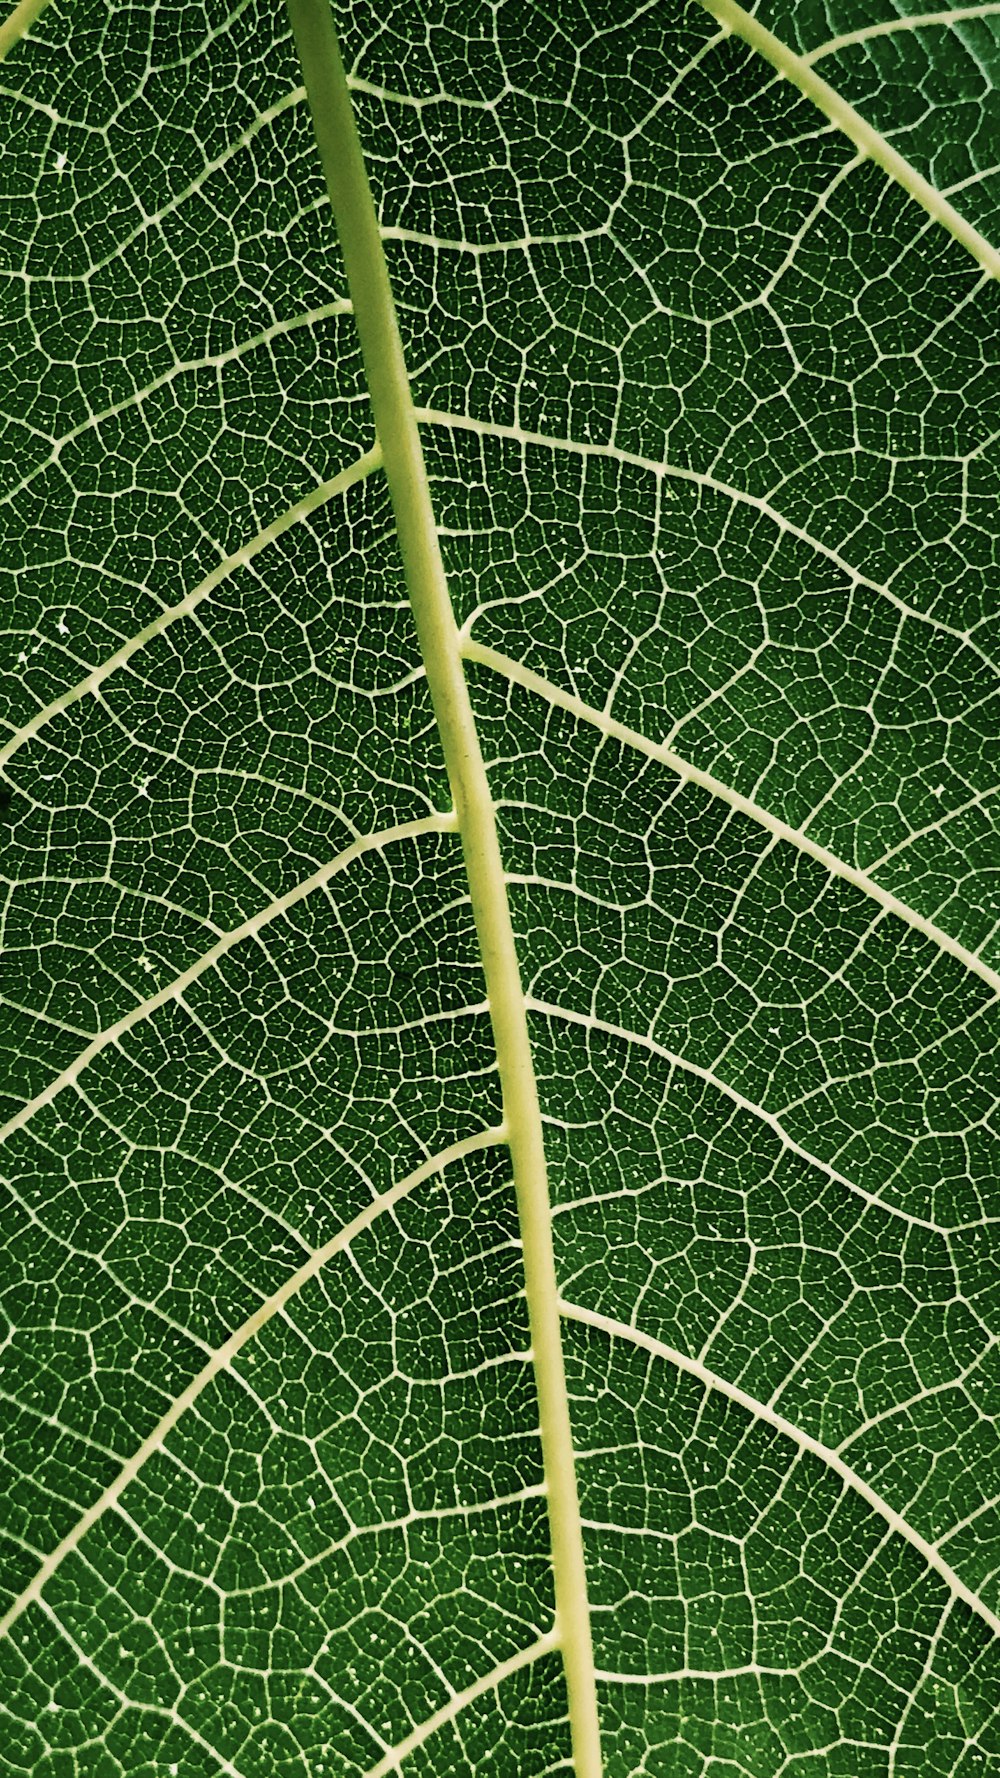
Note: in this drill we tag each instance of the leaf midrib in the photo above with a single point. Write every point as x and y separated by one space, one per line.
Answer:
406 474
224 1356
18 23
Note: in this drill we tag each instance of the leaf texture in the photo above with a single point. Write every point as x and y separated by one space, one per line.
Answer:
926 77
707 401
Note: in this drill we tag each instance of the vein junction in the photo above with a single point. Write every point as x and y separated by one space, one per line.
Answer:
800 71
323 1434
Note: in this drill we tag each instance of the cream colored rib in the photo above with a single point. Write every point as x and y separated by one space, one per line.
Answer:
914 21
627 737
223 1358
175 989
406 473
843 116
393 1760
327 490
620 1330
18 22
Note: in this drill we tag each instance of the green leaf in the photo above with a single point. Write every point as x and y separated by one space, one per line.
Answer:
500 946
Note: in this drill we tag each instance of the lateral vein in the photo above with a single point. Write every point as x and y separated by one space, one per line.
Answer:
627 737
181 367
799 71
221 1359
589 1022
804 1440
393 1760
520 435
240 558
173 990
913 21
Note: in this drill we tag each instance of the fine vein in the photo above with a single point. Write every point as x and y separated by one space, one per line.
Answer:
698 478
621 1330
181 367
406 474
627 737
174 990
223 1358
328 490
843 116
164 1713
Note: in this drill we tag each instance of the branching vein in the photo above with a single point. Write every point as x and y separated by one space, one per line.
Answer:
620 1330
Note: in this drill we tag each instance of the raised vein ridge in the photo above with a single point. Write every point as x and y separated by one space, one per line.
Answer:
799 70
240 558
223 1358
795 836
519 435
622 1330
18 23
909 21
547 1009
396 424
175 989
393 1760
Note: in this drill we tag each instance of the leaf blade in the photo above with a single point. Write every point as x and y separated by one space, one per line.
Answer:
725 605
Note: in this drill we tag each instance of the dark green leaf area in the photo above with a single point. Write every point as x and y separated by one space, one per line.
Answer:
930 87
751 1612
519 1727
686 1215
325 1541
728 293
228 760
768 1113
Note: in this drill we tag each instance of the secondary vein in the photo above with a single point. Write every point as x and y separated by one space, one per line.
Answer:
328 490
911 21
843 116
174 989
490 1682
224 1356
627 737
621 1330
642 1040
665 472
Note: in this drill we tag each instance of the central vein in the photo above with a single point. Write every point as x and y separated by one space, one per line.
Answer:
406 474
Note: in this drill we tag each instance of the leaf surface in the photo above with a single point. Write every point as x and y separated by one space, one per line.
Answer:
707 401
